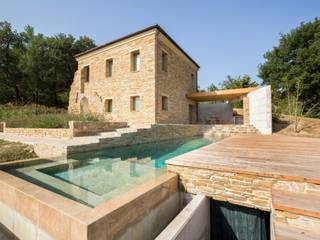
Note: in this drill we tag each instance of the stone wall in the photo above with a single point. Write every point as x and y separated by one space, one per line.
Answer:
245 190
174 83
293 214
93 128
227 130
150 83
123 84
157 132
296 220
41 132
75 129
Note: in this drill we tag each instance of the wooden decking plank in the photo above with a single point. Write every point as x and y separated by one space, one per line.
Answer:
288 158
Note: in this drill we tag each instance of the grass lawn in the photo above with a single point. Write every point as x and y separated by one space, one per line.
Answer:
10 151
35 116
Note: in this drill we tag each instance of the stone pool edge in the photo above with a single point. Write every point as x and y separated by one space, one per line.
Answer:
29 209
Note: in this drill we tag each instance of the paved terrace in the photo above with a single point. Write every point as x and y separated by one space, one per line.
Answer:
275 173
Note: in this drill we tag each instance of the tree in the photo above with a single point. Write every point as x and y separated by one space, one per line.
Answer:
10 73
295 62
36 68
244 81
212 87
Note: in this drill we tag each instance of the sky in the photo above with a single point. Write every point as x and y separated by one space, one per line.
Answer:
223 37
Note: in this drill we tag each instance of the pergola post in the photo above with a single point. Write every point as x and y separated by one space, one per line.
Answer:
246 119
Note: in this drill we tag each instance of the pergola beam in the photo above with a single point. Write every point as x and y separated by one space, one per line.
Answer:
219 95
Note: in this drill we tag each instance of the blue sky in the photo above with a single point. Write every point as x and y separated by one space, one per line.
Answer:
224 37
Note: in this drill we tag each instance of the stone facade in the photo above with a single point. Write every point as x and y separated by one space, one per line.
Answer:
179 79
150 83
242 189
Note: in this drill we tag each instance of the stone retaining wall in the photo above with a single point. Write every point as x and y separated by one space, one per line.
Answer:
227 130
241 189
75 129
41 132
159 132
92 128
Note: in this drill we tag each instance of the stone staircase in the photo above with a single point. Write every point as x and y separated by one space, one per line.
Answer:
295 211
133 134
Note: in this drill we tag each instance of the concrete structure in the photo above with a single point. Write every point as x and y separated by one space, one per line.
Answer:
32 212
256 106
260 109
192 223
141 78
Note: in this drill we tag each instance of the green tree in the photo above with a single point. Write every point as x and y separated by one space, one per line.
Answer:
212 87
11 48
244 81
295 62
36 68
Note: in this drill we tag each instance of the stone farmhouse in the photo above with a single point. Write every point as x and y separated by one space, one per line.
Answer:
146 77
143 77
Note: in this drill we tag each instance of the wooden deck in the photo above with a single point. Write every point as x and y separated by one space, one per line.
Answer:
281 157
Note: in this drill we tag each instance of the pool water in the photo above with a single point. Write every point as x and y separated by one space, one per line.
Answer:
95 177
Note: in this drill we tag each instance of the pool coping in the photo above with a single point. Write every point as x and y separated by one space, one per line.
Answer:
63 218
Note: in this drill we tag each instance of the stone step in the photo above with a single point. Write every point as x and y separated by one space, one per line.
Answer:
126 130
110 134
283 231
305 204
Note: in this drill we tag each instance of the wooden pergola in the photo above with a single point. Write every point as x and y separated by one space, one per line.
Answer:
220 95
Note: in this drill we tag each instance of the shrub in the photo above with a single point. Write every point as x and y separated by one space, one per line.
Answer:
35 116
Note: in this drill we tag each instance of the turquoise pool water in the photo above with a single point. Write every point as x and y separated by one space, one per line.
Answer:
94 177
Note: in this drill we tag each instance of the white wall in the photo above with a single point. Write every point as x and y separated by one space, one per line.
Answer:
192 223
260 112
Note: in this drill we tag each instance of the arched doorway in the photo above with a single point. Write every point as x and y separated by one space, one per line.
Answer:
84 105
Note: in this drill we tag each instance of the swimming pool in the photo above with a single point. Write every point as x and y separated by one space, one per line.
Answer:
95 177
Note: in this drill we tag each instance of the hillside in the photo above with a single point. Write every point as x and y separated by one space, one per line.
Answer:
308 127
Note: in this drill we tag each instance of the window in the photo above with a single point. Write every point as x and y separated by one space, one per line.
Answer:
108 106
135 103
85 74
109 65
164 62
194 80
164 103
135 61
